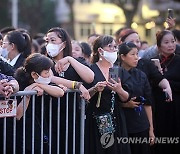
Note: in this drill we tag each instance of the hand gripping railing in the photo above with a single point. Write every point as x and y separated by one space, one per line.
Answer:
33 101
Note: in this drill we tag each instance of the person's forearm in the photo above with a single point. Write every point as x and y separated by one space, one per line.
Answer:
20 107
84 72
148 110
164 84
54 91
65 82
123 95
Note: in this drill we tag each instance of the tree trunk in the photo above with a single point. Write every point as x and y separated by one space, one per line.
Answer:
129 17
128 12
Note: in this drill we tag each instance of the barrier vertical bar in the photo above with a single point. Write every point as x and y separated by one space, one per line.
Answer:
33 121
58 125
14 135
74 122
50 125
4 137
24 124
82 126
42 123
67 106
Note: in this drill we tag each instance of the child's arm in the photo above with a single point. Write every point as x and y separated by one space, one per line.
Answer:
27 99
54 91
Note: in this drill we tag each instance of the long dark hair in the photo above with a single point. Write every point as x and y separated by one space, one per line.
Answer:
22 41
34 63
61 33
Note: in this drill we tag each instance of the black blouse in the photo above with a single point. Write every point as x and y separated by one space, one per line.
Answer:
137 121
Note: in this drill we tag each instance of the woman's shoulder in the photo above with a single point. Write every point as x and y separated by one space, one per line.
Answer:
82 60
123 74
140 73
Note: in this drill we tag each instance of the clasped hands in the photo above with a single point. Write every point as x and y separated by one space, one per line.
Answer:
5 88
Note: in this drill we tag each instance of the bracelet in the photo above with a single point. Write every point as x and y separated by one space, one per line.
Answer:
77 85
73 84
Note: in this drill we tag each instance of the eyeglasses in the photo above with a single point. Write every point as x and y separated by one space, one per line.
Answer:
112 47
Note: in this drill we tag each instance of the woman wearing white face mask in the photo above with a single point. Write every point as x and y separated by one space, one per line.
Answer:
103 114
17 46
59 48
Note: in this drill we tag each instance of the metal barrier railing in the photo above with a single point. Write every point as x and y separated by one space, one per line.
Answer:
42 121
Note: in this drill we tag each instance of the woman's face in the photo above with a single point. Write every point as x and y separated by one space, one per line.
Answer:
130 60
108 53
111 47
134 38
54 45
53 38
168 45
76 50
8 46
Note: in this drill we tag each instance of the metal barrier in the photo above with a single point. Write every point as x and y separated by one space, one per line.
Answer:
46 119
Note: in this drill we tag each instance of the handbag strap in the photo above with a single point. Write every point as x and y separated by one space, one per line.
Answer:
112 101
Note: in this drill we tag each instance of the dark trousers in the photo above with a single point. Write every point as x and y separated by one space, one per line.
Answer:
140 148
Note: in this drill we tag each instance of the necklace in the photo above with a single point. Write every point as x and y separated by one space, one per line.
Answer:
166 62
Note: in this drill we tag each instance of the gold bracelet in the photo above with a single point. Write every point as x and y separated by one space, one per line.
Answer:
73 84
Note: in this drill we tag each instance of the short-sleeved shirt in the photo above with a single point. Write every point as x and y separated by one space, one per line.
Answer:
138 121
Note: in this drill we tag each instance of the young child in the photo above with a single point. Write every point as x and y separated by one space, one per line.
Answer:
35 75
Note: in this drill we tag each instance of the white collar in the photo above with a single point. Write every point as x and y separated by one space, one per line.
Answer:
13 62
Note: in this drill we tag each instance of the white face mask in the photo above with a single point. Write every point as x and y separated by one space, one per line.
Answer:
43 80
54 49
111 57
4 52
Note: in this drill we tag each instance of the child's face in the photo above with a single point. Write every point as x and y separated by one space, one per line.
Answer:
76 50
46 73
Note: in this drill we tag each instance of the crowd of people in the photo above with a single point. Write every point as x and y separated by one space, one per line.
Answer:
141 102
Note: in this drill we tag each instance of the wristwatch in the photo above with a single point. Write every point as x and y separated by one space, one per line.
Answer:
77 85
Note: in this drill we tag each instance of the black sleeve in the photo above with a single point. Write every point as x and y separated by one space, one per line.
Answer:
151 71
126 82
175 85
147 92
6 69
